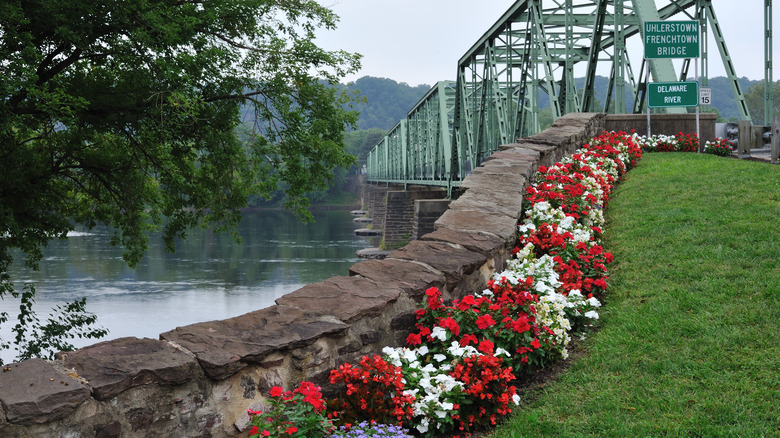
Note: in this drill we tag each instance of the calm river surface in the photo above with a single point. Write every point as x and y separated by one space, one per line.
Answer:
209 277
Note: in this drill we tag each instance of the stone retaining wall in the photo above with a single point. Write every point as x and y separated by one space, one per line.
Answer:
199 380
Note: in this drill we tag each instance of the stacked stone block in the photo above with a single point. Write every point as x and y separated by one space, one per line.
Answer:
426 213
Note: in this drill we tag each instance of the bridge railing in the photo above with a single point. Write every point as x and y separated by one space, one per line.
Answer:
419 148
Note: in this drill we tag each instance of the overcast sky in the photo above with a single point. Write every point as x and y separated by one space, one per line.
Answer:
420 41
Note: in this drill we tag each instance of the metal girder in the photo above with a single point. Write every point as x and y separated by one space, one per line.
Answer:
525 65
731 73
768 81
588 98
419 148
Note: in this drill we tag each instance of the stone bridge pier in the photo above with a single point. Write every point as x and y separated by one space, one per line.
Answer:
404 214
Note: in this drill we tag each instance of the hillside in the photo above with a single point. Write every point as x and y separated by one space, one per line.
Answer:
387 101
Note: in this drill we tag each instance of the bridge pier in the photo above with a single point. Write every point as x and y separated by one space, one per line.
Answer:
400 214
426 213
404 215
377 204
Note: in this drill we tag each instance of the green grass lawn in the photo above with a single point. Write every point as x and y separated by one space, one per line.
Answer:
689 338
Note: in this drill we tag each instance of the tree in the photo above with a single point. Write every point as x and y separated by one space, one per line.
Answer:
360 143
127 113
754 99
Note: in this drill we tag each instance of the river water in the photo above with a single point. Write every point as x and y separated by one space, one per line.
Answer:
208 277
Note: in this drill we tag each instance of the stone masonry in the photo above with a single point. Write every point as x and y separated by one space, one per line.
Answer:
400 214
199 380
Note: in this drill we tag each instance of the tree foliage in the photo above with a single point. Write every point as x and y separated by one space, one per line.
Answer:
126 112
386 101
754 99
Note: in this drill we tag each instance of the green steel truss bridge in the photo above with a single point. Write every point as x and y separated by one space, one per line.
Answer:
533 53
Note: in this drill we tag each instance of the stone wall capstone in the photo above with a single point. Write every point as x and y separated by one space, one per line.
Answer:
199 380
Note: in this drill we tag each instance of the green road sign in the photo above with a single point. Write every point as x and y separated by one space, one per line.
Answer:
670 94
671 39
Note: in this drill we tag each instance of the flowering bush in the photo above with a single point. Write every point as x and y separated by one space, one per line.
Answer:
500 318
720 146
297 413
668 143
487 385
374 390
437 396
371 430
458 389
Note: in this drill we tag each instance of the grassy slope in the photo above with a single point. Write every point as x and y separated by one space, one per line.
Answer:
690 335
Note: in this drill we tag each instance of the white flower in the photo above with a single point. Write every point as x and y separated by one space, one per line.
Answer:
487 293
430 368
516 399
592 314
393 355
439 357
500 350
439 333
594 302
455 349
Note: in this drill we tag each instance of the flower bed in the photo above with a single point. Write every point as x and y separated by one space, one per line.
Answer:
456 374
683 143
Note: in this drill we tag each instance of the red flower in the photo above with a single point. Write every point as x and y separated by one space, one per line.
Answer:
291 430
521 324
485 321
467 339
466 302
276 391
535 343
450 324
434 298
486 347
414 339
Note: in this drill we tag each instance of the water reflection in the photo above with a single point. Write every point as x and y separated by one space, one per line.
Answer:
209 277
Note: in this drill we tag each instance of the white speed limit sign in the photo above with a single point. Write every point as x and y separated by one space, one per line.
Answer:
705 96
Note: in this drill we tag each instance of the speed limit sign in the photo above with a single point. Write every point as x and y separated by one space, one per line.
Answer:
705 96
